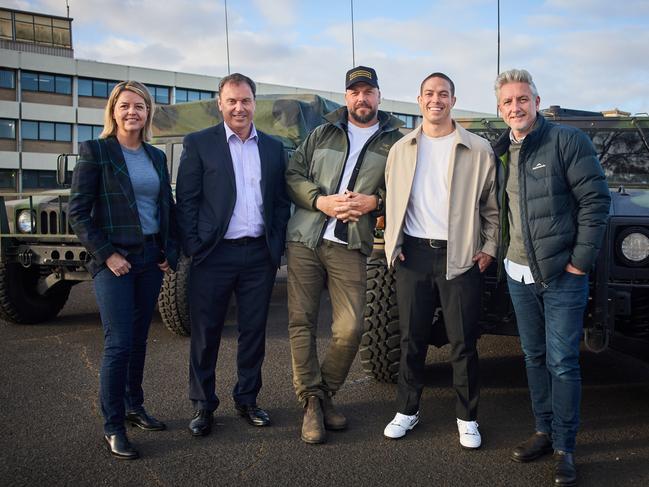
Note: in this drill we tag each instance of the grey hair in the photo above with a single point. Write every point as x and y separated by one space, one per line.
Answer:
515 76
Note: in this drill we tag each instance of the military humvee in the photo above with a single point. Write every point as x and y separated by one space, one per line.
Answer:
618 306
41 258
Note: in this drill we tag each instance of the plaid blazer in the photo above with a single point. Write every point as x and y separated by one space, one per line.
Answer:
103 211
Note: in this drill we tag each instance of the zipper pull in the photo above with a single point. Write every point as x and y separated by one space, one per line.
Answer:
545 286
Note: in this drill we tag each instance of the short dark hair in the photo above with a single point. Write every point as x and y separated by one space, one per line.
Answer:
437 75
238 78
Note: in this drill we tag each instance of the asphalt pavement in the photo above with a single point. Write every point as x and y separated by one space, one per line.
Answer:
51 427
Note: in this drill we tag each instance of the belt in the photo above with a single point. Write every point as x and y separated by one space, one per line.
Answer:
243 240
426 242
152 237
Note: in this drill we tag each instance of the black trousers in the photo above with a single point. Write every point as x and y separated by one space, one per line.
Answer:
247 271
417 280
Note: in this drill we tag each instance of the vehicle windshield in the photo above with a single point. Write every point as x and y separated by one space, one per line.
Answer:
622 151
623 155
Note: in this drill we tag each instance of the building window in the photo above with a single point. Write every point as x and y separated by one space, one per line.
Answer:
7 178
88 132
160 94
47 83
183 95
49 131
39 179
409 120
97 88
7 128
7 79
6 25
38 29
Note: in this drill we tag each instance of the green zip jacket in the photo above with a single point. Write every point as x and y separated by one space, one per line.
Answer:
317 167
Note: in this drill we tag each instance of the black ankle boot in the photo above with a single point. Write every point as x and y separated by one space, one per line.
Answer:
120 447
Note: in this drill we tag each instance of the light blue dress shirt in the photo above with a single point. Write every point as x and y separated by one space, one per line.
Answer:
248 217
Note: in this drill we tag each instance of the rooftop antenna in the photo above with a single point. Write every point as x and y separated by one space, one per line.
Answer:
67 7
227 35
498 62
353 50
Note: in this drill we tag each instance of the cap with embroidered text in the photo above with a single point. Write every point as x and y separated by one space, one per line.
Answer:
361 74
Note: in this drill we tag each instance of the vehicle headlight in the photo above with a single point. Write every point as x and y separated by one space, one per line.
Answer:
635 247
26 221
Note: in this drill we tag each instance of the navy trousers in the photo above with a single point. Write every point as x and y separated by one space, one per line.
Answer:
126 304
246 270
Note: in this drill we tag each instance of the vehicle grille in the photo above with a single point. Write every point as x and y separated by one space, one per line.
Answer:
637 323
49 223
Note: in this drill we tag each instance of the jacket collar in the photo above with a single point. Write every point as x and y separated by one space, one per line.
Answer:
120 170
501 146
387 122
462 136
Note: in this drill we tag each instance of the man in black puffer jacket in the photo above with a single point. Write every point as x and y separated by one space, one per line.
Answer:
554 205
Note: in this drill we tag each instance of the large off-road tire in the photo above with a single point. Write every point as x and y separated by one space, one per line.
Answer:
380 349
20 301
173 303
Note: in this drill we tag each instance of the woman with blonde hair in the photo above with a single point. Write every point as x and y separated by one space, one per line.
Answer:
122 209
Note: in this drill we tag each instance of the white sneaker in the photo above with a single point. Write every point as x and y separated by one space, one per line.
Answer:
469 434
400 425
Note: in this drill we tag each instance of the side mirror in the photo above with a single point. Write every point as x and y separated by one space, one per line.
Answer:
62 174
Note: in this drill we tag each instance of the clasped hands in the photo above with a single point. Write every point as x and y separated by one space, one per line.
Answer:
348 207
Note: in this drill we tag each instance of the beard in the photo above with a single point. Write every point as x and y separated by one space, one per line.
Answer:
357 117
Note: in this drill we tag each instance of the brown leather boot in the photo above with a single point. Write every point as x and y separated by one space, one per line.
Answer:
333 420
313 430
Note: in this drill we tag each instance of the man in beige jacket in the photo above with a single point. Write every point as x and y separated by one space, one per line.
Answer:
441 234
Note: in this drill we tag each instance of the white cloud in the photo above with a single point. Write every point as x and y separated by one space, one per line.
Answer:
595 66
604 9
278 12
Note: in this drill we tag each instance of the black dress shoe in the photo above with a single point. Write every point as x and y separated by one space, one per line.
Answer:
565 472
201 423
143 420
253 414
537 445
120 447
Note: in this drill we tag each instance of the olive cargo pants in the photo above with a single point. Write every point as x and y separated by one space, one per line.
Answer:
344 272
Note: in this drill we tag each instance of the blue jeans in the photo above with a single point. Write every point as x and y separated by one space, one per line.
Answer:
126 305
550 323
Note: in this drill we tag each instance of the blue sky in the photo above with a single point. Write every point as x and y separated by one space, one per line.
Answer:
587 54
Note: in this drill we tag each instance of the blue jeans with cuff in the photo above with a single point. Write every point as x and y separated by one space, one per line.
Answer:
550 324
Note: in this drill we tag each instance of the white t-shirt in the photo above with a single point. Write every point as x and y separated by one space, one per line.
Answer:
358 136
427 212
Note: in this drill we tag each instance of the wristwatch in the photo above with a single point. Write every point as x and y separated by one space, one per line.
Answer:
379 203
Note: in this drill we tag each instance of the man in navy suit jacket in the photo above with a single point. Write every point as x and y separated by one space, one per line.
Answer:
232 212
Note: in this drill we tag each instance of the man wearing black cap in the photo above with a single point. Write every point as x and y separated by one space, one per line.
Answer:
335 178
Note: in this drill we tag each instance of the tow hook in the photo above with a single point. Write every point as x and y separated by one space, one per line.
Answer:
25 258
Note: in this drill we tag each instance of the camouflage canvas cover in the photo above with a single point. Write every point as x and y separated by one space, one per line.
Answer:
287 117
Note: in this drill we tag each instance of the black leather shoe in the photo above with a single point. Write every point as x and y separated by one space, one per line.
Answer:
201 423
565 472
537 445
120 447
253 414
144 421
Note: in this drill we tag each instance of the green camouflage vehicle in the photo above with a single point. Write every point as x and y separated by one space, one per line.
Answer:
618 307
289 118
41 258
